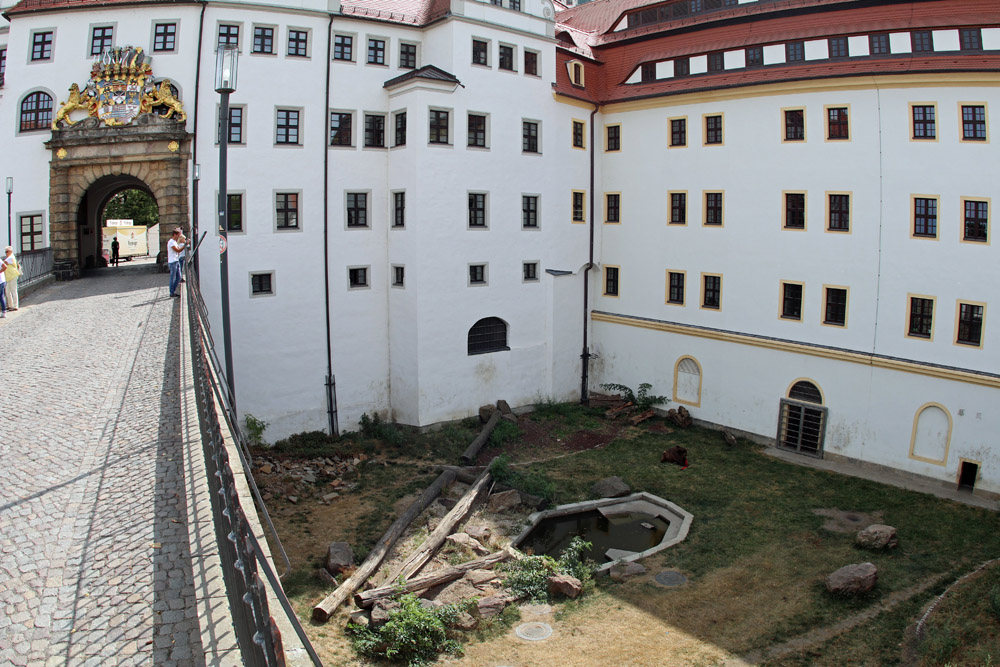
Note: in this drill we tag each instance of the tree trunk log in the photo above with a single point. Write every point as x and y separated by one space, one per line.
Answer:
470 454
328 606
419 558
432 579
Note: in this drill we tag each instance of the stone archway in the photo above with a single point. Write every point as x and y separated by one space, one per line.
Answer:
153 150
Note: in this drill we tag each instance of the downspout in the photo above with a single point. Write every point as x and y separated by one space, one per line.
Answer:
585 356
331 383
194 136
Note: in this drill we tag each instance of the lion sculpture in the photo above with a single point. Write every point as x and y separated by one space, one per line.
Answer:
76 101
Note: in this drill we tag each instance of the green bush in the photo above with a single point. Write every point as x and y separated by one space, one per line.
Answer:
571 561
255 430
503 433
413 635
640 399
375 428
528 577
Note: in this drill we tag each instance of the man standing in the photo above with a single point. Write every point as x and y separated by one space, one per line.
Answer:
174 247
114 251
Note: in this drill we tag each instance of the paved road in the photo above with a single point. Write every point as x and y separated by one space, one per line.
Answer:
95 566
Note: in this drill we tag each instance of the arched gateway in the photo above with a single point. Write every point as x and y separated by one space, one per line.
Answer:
124 142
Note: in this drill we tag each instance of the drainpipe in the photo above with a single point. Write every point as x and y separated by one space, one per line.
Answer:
331 382
585 356
194 136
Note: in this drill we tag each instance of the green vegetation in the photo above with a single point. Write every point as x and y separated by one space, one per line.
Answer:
135 205
503 433
375 428
528 577
255 430
641 399
964 629
533 482
413 635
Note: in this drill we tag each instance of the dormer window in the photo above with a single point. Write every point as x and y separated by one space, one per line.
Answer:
575 70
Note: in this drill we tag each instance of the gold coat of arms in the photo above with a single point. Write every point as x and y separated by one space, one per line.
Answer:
120 88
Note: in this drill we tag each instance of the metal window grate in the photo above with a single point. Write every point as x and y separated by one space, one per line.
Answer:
801 427
488 335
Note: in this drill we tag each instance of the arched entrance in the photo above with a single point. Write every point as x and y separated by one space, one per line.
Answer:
91 162
802 419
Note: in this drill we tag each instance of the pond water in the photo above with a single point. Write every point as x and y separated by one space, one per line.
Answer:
618 531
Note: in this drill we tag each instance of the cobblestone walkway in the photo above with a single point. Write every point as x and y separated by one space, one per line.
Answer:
95 566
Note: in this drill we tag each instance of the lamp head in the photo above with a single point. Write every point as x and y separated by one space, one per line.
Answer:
225 68
10 184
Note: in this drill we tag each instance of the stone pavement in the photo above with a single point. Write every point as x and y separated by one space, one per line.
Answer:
95 565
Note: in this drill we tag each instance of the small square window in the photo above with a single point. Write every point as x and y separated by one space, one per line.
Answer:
791 301
614 137
795 52
716 62
287 127
286 210
838 47
795 125
675 288
480 52
976 220
407 55
971 39
970 324
611 280
229 35
438 133
529 136
164 37
477 210
678 132
925 216
341 128
263 40
711 292
839 219
529 211
531 63
579 127
795 210
682 66
398 276
836 306
921 319
678 208
923 116
973 122
647 72
376 51
477 274
530 272
878 45
41 46
398 209
838 127
922 41
100 40
357 277
713 209
477 130
298 43
261 283
507 57
713 130
343 47
31 232
374 131
357 210
755 56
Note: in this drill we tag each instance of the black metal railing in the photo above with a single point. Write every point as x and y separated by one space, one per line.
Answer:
243 560
35 265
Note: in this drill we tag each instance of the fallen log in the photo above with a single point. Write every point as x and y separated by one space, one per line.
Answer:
419 558
430 580
470 454
614 412
603 401
326 608
468 478
641 417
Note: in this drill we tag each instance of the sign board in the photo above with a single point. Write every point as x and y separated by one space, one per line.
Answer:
131 240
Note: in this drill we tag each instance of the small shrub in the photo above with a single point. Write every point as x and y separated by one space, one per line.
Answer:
503 433
641 399
572 562
412 635
255 430
528 577
375 428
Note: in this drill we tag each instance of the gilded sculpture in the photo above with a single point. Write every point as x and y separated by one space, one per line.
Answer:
120 88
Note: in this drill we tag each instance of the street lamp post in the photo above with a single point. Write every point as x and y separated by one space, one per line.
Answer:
225 83
10 191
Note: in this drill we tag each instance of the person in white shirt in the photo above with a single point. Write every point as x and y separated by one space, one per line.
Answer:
175 245
12 271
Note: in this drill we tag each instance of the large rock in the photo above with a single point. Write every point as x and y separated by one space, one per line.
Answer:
503 501
504 408
463 540
853 579
339 557
382 609
485 412
621 571
489 607
478 532
564 584
479 578
610 487
360 617
877 536
456 592
466 622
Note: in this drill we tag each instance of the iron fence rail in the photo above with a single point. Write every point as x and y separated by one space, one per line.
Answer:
243 559
35 265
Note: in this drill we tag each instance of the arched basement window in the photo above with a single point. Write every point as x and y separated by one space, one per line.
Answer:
804 390
488 335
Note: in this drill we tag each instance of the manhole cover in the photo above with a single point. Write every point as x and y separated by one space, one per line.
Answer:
534 632
670 578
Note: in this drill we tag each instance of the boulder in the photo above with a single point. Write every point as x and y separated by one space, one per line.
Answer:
852 579
360 617
339 557
463 540
456 592
877 536
610 487
478 532
503 501
489 607
504 408
512 418
382 609
266 468
485 412
620 571
430 604
466 622
564 584
480 577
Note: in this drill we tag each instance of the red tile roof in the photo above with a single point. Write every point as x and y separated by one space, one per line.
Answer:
27 6
413 12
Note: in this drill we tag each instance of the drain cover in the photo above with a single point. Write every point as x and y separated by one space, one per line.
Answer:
534 632
670 578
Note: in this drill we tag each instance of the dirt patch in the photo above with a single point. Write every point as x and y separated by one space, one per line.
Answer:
840 521
543 438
